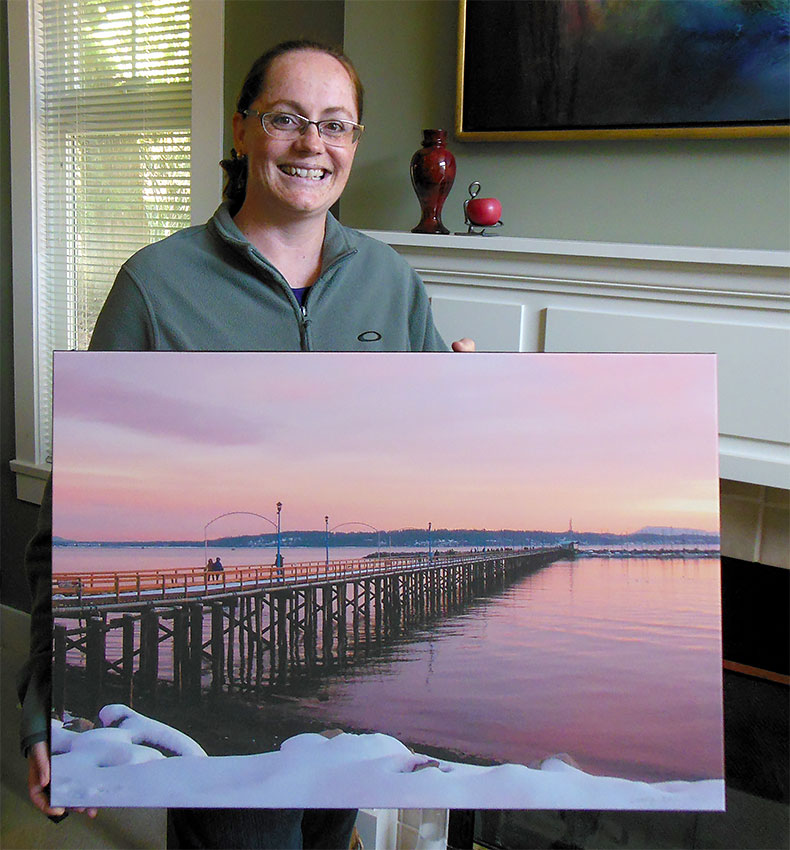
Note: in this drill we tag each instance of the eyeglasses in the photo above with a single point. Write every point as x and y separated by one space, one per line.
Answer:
336 132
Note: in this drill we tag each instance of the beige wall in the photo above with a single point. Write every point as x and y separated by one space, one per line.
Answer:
731 193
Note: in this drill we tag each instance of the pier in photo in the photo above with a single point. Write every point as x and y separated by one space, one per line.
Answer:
252 627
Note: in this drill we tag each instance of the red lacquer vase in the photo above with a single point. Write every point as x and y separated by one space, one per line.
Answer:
432 175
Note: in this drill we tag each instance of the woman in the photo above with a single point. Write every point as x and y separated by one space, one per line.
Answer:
272 270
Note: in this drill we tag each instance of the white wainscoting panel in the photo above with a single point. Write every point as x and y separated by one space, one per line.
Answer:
493 326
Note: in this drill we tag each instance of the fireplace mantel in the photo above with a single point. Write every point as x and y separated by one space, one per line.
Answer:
521 294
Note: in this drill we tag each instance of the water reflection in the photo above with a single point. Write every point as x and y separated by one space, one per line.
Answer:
616 662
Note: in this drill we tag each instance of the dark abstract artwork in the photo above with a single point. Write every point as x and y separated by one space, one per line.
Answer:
624 65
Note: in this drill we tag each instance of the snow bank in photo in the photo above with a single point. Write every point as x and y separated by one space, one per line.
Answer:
144 730
122 764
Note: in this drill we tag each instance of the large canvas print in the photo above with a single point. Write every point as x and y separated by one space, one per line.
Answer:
396 580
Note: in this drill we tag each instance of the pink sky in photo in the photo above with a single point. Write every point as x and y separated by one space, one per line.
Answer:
155 445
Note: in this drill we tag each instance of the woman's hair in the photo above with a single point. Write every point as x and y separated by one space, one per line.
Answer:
235 168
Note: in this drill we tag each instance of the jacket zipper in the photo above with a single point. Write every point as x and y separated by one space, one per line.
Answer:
304 324
304 328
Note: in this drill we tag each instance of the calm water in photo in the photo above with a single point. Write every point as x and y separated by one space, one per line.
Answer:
616 662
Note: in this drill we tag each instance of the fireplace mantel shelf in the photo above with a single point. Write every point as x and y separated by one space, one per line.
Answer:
500 244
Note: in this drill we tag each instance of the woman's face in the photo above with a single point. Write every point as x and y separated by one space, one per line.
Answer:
317 86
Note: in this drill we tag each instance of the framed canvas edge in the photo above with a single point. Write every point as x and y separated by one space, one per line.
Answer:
719 131
450 801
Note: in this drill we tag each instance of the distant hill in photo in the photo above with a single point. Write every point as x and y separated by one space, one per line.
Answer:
440 537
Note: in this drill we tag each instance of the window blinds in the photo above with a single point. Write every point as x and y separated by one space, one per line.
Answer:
112 123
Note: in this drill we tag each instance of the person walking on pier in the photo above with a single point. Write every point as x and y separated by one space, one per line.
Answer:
272 270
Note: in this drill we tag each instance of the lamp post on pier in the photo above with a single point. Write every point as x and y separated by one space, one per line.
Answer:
278 562
430 554
326 538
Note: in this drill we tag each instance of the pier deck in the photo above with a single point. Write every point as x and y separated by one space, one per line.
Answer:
251 628
78 594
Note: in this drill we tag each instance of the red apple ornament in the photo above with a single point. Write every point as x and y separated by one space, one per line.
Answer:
483 212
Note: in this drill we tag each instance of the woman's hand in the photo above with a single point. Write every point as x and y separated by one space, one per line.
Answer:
464 344
38 782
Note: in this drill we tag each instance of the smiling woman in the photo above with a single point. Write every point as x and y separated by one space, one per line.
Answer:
272 270
304 81
293 178
253 87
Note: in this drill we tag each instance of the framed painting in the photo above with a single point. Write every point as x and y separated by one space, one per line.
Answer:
402 580
610 69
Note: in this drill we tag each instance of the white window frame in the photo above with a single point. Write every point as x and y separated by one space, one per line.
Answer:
30 464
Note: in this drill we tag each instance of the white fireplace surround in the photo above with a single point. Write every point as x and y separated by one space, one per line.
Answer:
519 294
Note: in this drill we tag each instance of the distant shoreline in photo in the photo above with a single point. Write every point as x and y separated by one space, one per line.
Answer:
414 537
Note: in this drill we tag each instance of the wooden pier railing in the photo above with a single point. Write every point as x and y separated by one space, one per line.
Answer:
105 588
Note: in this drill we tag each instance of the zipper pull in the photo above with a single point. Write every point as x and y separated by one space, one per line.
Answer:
305 332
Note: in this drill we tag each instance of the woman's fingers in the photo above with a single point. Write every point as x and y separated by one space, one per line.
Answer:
38 779
464 344
38 776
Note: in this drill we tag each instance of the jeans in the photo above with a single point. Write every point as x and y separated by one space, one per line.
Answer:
260 829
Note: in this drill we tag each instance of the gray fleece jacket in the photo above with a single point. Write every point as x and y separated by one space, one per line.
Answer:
207 288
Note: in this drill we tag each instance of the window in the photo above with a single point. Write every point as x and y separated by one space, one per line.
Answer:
104 148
